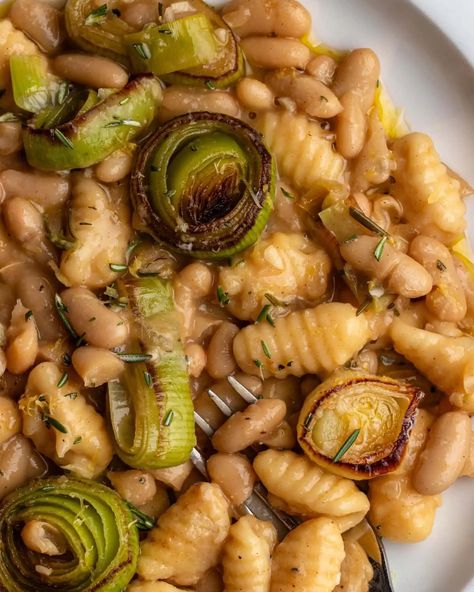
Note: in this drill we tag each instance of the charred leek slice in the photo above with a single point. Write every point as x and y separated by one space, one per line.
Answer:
180 44
99 33
204 185
150 407
382 409
226 68
88 138
97 525
33 87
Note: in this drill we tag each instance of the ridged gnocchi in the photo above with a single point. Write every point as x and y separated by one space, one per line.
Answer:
308 489
302 152
398 512
309 558
448 362
287 266
99 222
311 341
356 570
247 554
430 197
188 538
62 425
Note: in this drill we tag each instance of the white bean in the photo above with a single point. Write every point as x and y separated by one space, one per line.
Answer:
322 67
254 95
90 70
220 355
115 167
179 100
274 53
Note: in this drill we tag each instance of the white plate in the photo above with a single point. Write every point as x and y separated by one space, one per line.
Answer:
426 74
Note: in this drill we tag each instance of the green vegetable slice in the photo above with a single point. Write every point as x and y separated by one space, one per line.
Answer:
204 184
33 87
150 407
98 526
53 143
180 44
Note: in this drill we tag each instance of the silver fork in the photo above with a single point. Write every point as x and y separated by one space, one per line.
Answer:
258 505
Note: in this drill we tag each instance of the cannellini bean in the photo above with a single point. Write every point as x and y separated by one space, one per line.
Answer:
22 340
234 474
196 359
10 138
445 453
115 167
468 468
284 18
322 67
24 220
401 274
89 317
10 420
309 94
137 487
19 463
254 94
96 366
283 437
173 477
350 126
220 355
447 300
358 74
158 504
274 53
45 189
138 14
90 70
251 425
40 21
42 537
178 100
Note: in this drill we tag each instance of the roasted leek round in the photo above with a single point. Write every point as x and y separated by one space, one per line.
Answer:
357 425
100 549
204 185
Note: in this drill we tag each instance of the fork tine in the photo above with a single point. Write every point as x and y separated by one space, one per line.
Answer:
202 423
242 390
199 462
219 403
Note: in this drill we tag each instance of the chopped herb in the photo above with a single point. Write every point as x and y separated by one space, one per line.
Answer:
144 522
58 134
132 245
265 349
258 363
62 310
378 251
366 221
363 306
270 320
222 296
85 223
273 300
80 340
287 194
143 50
210 85
62 381
262 315
77 440
148 378
28 315
67 360
308 420
96 15
124 101
119 122
72 395
168 418
440 265
323 99
377 84
118 267
347 444
133 358
92 319
50 421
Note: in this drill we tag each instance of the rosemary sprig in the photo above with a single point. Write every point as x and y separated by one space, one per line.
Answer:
378 251
148 378
62 310
274 300
142 50
440 265
262 315
222 296
258 363
210 85
133 358
58 134
144 522
168 418
347 444
50 421
366 221
265 349
96 15
62 381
